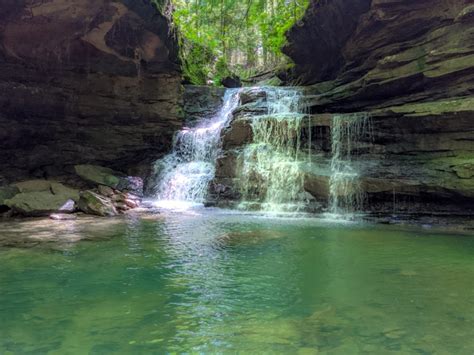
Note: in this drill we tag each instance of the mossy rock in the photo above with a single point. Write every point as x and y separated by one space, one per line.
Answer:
464 171
99 175
111 178
7 192
41 197
439 107
95 204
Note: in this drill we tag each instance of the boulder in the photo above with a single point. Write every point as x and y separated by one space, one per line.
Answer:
42 197
132 203
7 192
231 81
111 178
93 203
105 191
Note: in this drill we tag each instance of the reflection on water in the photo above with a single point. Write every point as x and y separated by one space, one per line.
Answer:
217 282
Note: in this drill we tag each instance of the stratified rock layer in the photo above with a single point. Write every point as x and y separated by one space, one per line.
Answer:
85 81
410 65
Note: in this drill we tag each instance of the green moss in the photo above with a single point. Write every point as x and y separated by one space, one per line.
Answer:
454 172
436 107
450 66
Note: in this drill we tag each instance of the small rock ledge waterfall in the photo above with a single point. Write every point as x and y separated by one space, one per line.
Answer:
345 191
271 178
186 172
272 163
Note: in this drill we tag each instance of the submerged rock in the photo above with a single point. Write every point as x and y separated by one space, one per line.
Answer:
93 203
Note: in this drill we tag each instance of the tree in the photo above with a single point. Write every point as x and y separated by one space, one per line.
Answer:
242 37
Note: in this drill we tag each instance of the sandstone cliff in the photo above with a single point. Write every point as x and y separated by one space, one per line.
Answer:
410 66
85 81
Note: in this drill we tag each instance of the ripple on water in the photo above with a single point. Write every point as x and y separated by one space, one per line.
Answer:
212 281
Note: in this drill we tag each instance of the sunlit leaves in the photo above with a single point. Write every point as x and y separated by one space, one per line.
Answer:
222 36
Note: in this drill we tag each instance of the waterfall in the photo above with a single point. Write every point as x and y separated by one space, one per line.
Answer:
186 172
271 169
346 194
270 175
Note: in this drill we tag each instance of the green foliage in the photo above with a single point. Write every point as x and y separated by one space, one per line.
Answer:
220 37
197 61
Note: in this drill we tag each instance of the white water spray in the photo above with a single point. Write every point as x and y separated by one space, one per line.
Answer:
346 194
187 171
270 175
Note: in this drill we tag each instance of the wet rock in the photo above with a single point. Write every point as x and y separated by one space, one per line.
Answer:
41 197
238 134
252 95
132 203
317 186
201 102
231 82
93 203
63 217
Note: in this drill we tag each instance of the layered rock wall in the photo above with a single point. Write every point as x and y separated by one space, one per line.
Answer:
85 81
409 65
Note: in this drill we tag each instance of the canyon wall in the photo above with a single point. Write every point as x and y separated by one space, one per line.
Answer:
409 65
85 81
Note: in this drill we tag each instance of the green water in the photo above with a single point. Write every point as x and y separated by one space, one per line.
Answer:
231 283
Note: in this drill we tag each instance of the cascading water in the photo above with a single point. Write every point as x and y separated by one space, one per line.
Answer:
346 194
186 172
270 174
271 169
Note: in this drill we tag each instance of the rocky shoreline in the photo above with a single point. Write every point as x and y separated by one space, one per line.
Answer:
107 193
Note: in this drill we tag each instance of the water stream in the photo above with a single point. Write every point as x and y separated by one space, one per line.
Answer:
270 173
186 172
270 176
346 193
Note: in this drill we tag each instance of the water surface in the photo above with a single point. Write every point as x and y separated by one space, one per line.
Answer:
217 282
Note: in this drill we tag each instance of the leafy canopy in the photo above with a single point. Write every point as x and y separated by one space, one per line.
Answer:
244 37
